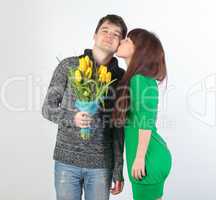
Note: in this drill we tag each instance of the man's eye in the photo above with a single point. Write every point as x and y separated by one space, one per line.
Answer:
117 36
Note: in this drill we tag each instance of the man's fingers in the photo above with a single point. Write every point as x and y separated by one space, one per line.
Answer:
83 120
113 190
117 188
86 119
122 186
85 115
84 125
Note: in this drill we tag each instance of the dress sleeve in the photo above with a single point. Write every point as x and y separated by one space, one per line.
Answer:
144 101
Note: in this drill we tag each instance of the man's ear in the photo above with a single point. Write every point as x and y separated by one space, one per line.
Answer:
94 36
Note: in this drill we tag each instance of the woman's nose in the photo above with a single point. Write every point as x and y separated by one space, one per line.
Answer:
122 41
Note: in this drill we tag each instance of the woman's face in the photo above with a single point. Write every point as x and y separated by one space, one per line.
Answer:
126 49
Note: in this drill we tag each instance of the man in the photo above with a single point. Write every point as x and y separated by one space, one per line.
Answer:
87 164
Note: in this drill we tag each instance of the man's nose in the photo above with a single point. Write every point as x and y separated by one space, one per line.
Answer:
110 35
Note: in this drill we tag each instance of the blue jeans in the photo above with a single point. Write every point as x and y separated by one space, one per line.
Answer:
71 180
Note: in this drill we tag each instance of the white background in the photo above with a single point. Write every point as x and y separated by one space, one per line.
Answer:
33 33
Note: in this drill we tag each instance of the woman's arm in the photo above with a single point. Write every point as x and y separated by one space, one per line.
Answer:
138 169
144 102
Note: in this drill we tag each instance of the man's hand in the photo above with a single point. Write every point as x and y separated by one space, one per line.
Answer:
118 187
82 120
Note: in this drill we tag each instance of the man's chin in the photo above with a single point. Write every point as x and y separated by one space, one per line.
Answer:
108 50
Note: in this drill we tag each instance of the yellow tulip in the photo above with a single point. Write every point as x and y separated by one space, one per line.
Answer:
108 77
91 64
88 73
78 76
102 69
82 65
102 77
87 60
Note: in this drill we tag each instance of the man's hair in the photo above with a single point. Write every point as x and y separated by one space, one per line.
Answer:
116 20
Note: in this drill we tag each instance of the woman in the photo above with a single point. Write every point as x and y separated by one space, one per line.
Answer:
148 158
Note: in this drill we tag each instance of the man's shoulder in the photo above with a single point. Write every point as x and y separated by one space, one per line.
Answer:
121 72
73 60
67 63
118 71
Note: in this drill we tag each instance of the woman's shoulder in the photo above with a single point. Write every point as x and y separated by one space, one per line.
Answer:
142 79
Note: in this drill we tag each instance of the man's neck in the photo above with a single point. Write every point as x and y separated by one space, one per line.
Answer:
101 58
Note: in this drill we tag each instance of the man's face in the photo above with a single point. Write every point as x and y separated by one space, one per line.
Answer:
108 37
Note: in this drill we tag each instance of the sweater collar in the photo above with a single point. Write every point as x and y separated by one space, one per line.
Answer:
113 64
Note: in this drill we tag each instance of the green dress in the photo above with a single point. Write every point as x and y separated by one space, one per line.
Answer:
143 115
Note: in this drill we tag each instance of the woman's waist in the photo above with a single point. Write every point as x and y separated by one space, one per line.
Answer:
131 134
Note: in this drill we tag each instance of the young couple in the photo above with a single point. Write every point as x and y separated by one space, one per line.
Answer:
91 165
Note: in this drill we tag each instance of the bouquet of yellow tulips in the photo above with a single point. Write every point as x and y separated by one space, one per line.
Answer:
90 85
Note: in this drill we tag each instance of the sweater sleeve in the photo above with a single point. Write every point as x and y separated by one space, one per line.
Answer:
144 101
118 142
118 148
51 108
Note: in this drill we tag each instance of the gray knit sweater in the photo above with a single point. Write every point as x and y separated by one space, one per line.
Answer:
105 147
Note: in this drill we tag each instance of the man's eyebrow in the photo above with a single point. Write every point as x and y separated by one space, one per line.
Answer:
118 32
105 27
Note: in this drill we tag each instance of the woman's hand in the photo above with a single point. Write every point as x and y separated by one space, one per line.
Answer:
138 168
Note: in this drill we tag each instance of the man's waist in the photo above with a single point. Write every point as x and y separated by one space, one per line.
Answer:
73 142
83 159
